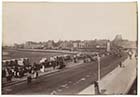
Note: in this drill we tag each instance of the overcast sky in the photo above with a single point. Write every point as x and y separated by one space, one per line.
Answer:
68 21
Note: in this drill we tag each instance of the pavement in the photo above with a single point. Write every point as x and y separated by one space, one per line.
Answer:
116 82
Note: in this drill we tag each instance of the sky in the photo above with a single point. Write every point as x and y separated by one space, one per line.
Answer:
67 21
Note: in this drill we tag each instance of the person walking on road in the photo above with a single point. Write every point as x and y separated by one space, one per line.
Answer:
29 78
120 64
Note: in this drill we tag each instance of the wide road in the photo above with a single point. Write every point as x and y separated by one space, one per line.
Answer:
67 81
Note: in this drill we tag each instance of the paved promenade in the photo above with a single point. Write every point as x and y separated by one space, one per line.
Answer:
118 81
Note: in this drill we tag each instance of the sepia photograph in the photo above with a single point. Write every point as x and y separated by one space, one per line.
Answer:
69 48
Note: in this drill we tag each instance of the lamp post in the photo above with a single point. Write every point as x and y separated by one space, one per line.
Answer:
96 83
99 63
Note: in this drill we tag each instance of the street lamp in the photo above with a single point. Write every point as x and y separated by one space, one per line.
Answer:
99 63
96 83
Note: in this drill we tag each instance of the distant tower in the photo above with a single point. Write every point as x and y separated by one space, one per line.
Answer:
108 46
118 37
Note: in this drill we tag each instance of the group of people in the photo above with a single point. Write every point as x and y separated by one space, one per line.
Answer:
52 62
12 69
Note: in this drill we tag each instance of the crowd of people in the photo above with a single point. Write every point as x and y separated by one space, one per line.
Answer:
12 69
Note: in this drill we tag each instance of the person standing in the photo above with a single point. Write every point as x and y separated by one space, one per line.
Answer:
74 58
42 69
96 85
130 54
35 74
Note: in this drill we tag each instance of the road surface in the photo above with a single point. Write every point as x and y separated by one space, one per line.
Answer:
66 81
